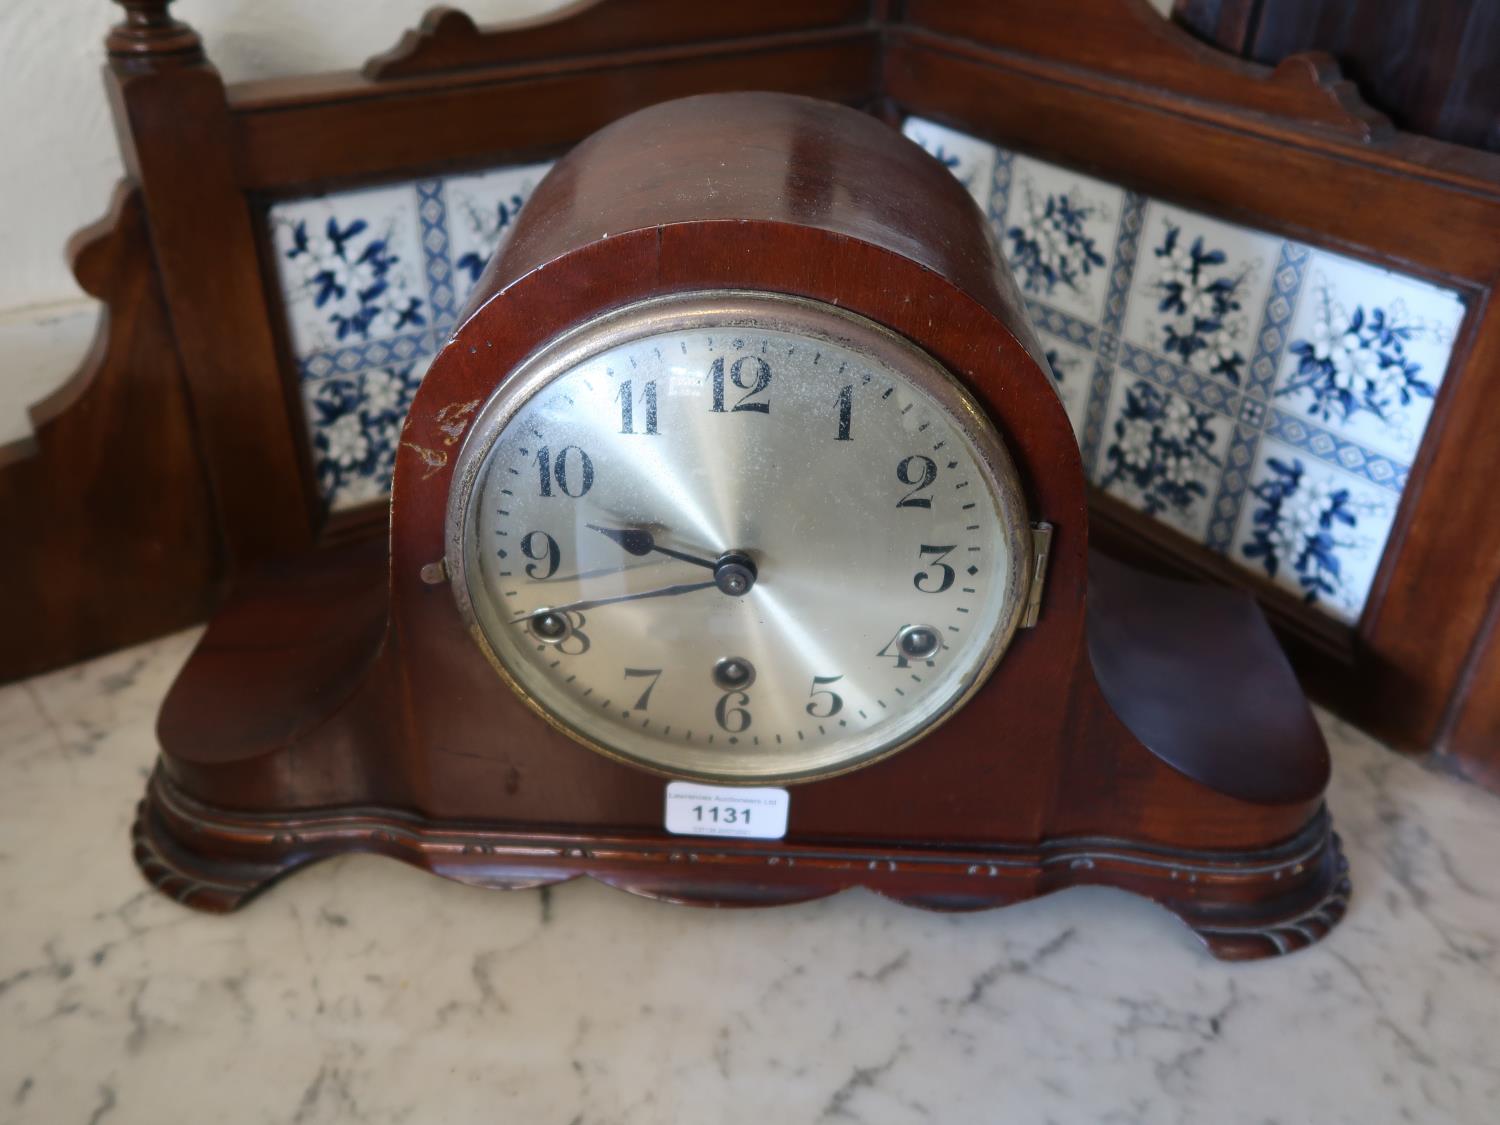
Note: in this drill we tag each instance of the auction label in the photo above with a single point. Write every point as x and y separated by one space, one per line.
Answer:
699 810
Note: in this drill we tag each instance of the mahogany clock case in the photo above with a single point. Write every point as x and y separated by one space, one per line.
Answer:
329 710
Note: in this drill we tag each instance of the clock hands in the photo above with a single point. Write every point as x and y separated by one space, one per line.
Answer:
638 541
541 616
734 571
734 574
600 572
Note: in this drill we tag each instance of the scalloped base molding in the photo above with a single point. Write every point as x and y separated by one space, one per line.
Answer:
217 860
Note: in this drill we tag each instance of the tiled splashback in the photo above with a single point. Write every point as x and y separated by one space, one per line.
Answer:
373 281
1262 397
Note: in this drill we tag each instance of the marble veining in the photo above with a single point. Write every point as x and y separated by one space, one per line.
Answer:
365 991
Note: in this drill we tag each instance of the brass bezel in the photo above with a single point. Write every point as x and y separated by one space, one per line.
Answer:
744 309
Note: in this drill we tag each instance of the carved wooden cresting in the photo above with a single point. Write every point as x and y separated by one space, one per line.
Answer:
1141 734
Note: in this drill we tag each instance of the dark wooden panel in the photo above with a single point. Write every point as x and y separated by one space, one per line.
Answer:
1127 39
1224 23
1472 742
108 530
1432 65
448 39
319 137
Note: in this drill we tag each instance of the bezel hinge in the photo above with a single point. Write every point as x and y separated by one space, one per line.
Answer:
1041 552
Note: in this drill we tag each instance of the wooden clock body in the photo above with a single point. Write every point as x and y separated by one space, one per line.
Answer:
1144 734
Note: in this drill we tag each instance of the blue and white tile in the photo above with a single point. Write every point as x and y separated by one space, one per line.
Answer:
1249 379
1163 454
371 282
971 160
482 211
1057 229
355 424
351 269
1198 291
1313 529
1368 349
1072 372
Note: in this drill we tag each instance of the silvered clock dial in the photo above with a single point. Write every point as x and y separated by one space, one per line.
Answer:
738 536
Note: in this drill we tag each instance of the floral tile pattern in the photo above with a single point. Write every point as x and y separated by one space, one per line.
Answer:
482 211
1057 229
1162 454
1072 371
1198 283
1368 349
355 421
1262 397
351 270
372 282
1313 528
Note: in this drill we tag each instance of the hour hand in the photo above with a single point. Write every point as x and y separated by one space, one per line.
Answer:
635 541
638 541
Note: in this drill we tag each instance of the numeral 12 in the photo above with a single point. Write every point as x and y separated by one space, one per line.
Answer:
761 381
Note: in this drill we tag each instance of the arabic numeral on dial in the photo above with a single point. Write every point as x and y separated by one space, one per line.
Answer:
544 469
922 579
750 367
846 411
918 473
576 643
825 704
893 650
626 396
547 549
653 674
736 718
572 469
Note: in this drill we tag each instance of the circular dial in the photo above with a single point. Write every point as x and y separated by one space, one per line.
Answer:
737 537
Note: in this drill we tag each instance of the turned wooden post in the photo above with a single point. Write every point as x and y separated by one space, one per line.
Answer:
173 121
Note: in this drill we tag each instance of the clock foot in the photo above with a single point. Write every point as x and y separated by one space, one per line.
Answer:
1279 926
1243 905
194 878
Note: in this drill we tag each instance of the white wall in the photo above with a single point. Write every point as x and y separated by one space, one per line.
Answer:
60 158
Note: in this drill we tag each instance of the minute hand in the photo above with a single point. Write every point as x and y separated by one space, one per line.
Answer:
590 603
637 541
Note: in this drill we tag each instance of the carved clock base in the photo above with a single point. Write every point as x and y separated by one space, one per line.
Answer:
1242 905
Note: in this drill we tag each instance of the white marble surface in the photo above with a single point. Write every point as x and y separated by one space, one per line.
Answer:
40 349
365 991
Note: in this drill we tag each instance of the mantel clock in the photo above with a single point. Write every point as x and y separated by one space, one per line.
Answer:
738 555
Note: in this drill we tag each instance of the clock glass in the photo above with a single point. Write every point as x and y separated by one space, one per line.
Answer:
738 536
